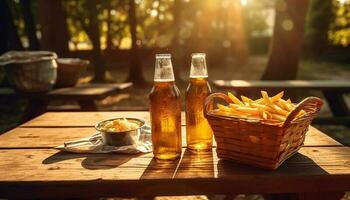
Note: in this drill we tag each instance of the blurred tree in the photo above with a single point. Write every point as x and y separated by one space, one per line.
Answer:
135 70
255 17
8 33
236 33
93 30
202 30
339 33
177 48
30 25
318 22
287 40
109 42
84 20
54 33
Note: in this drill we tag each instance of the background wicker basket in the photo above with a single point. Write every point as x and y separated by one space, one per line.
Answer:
69 71
256 143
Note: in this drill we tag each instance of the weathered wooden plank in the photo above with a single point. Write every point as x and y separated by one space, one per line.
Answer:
83 119
315 137
334 85
24 137
48 137
42 137
89 91
313 169
81 92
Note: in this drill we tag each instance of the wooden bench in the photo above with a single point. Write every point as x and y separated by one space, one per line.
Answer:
33 169
332 90
85 95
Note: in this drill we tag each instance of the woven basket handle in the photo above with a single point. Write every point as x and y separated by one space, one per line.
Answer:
210 99
311 105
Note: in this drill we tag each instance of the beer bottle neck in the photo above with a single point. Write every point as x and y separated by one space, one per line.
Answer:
198 66
198 80
163 84
163 68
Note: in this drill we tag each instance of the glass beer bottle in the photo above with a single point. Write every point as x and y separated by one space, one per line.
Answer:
165 110
199 133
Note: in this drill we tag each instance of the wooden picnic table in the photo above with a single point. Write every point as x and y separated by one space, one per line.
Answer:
31 168
84 94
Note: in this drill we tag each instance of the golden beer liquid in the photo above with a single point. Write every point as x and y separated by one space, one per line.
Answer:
199 133
165 109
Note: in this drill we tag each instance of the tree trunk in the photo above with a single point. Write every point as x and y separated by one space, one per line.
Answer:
8 32
30 25
319 19
109 43
287 40
237 34
95 35
135 70
54 32
177 49
202 28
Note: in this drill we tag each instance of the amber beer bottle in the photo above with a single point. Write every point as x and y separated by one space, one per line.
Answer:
199 133
165 110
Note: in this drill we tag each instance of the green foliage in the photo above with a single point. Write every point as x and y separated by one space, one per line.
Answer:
155 22
339 33
256 17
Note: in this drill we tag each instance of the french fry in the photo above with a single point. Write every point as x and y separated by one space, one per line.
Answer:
278 110
246 99
280 105
278 117
264 107
266 97
248 110
235 99
263 114
235 110
260 100
223 108
287 106
277 97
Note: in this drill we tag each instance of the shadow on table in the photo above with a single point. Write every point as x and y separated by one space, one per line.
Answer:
191 165
244 177
92 161
298 164
160 169
196 165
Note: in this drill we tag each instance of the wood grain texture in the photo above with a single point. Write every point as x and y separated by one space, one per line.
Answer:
315 137
89 91
34 170
84 119
48 137
313 169
34 137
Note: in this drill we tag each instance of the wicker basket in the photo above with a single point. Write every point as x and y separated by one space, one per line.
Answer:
257 143
69 71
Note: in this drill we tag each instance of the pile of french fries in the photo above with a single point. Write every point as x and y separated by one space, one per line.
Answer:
272 109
